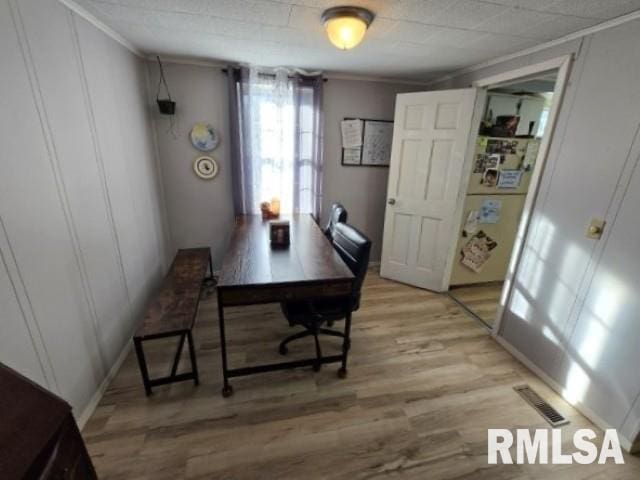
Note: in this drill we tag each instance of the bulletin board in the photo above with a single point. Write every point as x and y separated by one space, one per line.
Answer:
375 146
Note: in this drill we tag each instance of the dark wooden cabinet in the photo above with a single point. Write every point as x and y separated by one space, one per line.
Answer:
39 438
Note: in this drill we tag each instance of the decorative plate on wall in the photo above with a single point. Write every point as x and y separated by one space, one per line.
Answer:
204 137
205 167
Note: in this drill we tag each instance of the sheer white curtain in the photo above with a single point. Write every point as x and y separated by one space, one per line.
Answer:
271 113
276 129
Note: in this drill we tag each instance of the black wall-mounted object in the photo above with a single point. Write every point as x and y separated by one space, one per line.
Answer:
166 105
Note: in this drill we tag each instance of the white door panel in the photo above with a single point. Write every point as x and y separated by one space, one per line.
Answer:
430 141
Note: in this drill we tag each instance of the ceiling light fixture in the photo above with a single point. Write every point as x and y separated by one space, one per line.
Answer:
346 26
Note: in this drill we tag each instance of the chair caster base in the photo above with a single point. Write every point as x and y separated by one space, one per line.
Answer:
227 391
342 372
283 350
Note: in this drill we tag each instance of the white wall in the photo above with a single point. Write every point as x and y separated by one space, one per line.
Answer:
201 212
82 233
569 313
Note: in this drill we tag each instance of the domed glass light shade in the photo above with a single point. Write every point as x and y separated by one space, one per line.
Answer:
346 26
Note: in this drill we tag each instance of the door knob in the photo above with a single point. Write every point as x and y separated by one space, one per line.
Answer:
391 201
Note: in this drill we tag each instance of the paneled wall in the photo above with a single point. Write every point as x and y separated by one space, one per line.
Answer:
83 238
573 310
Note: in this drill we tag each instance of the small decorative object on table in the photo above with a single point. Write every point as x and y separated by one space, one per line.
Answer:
271 209
275 206
279 234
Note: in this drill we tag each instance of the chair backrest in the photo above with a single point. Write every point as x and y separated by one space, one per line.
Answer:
338 215
354 248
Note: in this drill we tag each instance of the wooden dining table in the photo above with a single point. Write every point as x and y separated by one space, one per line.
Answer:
254 272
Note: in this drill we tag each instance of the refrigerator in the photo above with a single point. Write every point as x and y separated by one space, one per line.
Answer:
494 200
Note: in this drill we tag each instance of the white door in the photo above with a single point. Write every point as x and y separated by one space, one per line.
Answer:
431 137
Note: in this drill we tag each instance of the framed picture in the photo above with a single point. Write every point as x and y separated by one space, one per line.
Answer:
375 148
279 234
376 145
351 156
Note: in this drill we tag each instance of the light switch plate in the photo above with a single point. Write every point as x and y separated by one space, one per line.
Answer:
596 227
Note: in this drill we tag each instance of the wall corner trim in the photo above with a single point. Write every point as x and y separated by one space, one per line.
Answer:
89 17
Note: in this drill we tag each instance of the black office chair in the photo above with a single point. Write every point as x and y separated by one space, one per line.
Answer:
338 215
354 248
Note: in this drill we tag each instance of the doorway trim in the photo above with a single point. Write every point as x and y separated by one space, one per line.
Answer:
563 65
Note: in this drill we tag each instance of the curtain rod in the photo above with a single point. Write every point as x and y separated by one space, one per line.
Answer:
271 75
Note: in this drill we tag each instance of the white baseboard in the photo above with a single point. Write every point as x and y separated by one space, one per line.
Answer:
83 418
586 411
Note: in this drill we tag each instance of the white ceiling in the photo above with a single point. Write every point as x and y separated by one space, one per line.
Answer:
409 39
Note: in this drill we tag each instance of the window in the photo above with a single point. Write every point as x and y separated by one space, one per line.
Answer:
273 146
279 137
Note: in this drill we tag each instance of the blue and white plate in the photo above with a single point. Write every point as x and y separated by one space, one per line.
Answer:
204 137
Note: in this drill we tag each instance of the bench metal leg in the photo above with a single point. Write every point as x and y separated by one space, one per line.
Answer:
173 375
142 362
192 354
176 359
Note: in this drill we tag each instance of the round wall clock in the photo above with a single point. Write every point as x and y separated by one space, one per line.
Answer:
205 167
204 137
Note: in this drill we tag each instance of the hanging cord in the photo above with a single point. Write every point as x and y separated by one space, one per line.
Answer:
174 127
162 80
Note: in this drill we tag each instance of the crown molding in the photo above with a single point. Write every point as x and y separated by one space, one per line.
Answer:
195 62
328 75
614 22
368 78
93 20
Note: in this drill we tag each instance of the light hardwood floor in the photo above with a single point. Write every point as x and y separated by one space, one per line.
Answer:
425 382
482 299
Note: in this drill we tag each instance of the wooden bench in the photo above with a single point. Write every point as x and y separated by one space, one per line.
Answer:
172 312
